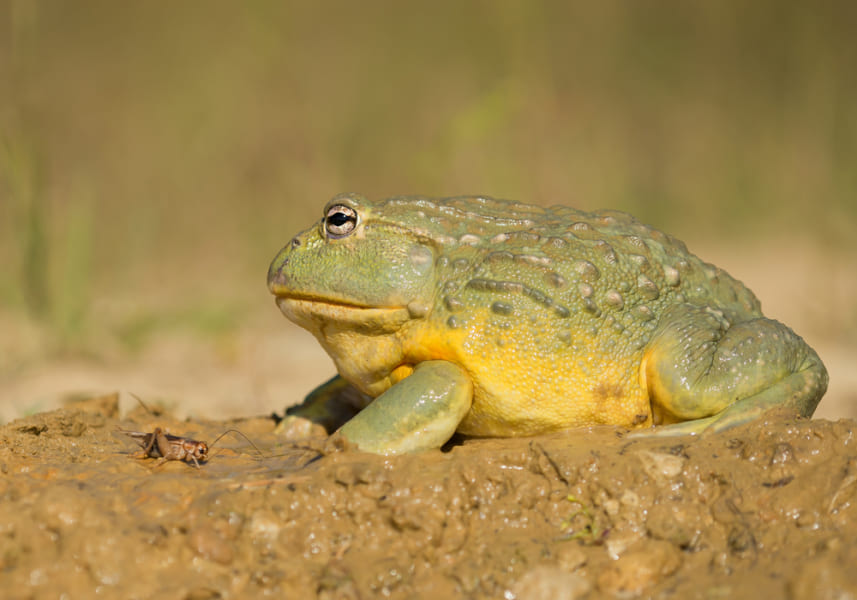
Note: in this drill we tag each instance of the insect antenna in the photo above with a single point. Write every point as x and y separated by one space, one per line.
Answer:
217 439
156 412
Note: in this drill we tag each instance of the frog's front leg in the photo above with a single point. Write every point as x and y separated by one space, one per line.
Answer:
420 412
330 405
711 374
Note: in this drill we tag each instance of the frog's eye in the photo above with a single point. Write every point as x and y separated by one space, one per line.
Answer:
340 221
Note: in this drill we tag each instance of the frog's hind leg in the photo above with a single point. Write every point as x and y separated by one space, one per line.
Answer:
702 372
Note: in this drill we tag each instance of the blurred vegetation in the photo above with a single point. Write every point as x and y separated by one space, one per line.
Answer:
162 152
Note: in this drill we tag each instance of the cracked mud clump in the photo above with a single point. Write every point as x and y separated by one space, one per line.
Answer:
765 510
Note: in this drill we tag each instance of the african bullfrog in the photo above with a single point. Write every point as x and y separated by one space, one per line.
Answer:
494 318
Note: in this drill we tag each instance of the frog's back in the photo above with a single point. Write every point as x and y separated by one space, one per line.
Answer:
581 266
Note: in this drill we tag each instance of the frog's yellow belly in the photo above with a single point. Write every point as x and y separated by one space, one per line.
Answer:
525 383
519 398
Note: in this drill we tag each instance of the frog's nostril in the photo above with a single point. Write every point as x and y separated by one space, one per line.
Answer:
296 242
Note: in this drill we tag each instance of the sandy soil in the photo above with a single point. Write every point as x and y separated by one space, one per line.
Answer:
766 510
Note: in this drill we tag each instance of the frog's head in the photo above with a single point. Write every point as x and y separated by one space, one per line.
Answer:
355 269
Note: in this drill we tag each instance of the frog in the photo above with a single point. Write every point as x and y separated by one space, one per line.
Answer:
494 318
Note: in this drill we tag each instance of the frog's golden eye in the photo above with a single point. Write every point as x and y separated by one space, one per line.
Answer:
340 221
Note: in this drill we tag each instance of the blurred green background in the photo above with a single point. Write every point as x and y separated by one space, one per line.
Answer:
154 156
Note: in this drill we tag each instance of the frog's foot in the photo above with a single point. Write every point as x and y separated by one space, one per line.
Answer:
702 373
420 412
328 406
770 402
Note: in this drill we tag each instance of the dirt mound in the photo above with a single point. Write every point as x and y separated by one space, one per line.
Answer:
766 510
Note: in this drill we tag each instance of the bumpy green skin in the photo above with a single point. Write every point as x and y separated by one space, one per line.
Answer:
528 320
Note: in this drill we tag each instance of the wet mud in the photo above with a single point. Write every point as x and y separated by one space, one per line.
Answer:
765 510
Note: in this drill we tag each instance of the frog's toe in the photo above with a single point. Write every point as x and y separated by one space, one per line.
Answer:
695 427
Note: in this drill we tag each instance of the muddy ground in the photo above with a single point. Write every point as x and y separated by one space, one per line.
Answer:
767 510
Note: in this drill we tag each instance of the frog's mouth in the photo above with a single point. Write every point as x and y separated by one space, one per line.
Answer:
315 313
